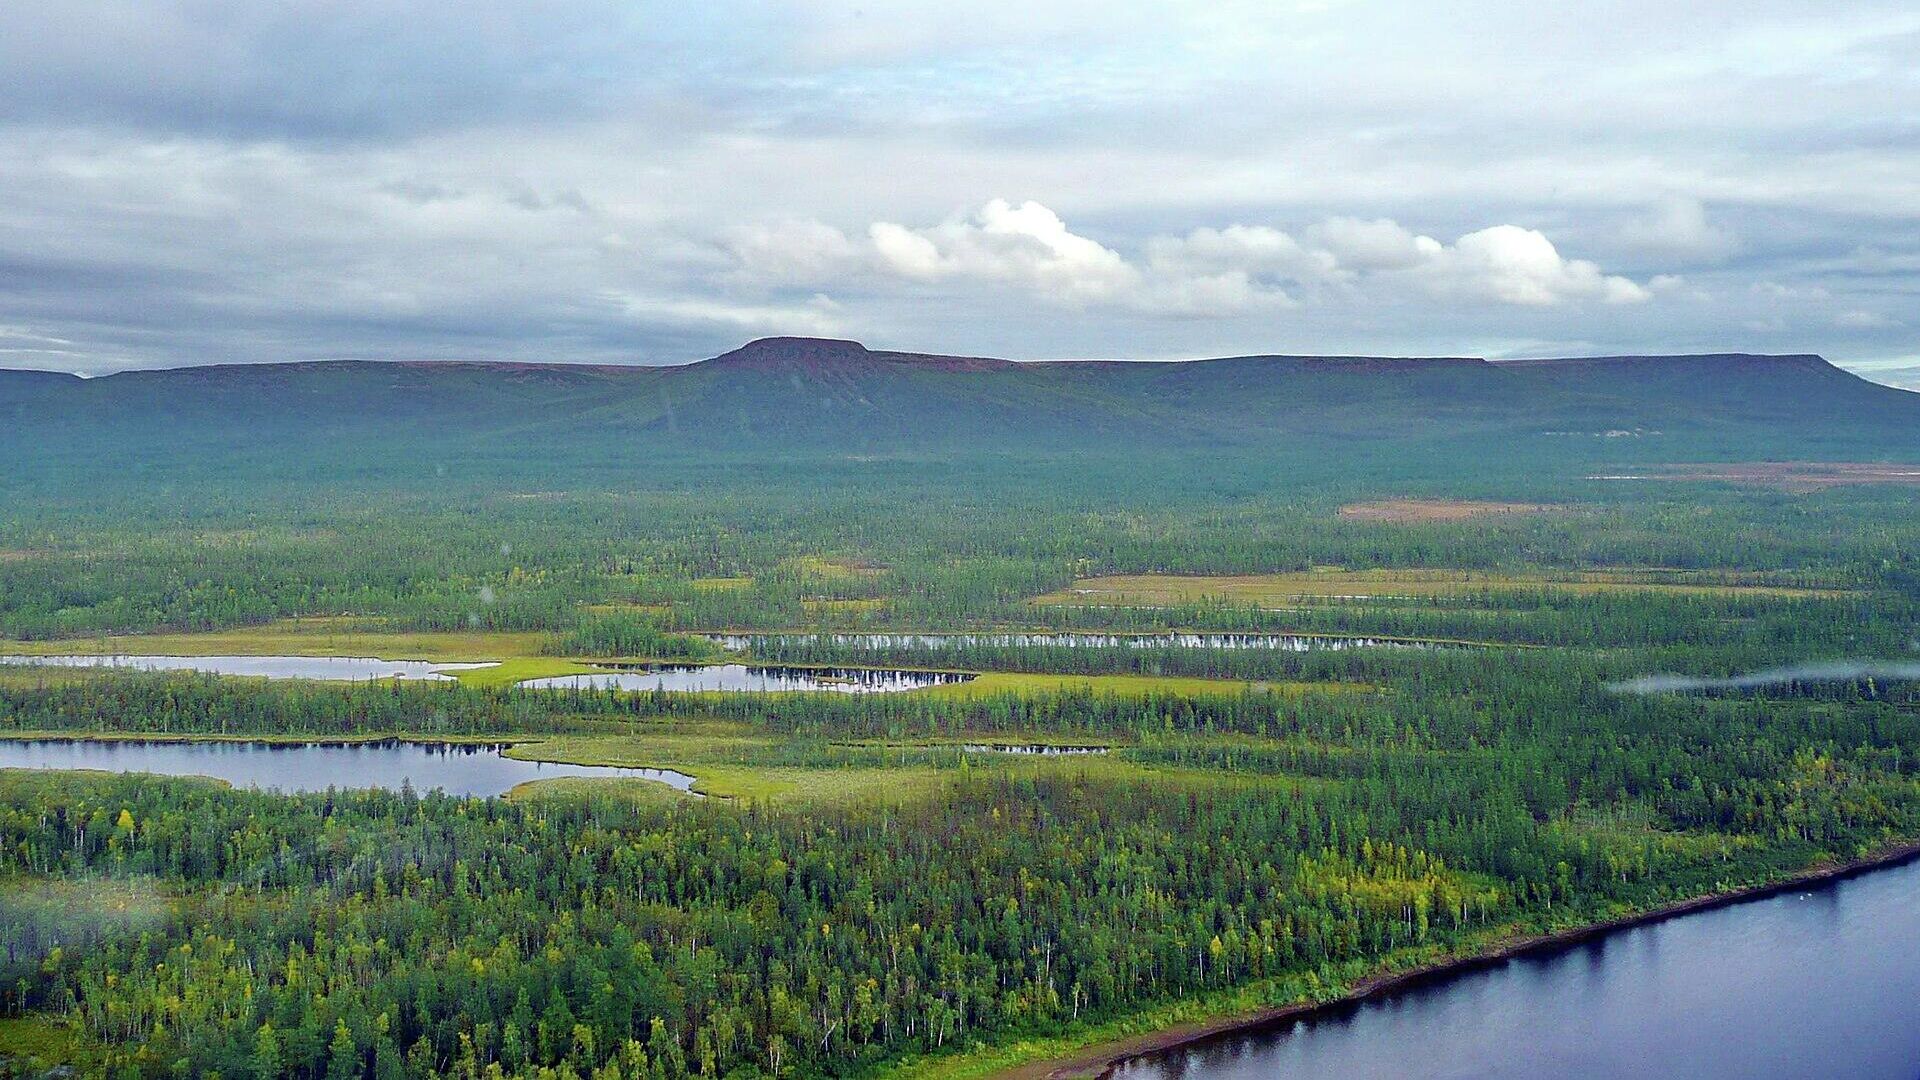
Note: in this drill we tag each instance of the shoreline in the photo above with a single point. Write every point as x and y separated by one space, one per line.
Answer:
56 735
1099 1061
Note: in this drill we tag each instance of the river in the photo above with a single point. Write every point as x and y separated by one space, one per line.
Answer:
1821 982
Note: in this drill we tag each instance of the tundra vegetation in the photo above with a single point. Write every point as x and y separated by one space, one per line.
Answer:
865 891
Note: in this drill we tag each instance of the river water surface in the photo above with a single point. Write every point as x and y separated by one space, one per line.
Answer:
354 668
464 770
1817 983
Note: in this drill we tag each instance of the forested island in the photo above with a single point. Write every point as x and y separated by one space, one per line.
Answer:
1564 645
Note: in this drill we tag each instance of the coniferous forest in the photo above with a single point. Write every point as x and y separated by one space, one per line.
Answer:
1445 742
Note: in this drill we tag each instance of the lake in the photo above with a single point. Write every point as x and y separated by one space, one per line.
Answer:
753 678
1033 749
1822 982
350 668
682 677
457 769
1067 639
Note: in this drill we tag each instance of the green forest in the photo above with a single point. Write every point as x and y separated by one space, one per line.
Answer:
868 889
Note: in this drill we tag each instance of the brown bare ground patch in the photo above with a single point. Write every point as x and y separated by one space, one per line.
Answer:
18 554
1794 476
1399 511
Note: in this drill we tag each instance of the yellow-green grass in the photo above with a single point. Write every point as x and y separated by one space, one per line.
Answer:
821 607
30 678
988 738
516 653
621 607
721 584
830 567
785 784
1332 582
718 754
31 1045
721 758
736 761
516 669
652 743
302 637
793 785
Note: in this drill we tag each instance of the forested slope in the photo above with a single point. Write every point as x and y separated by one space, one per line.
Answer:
777 398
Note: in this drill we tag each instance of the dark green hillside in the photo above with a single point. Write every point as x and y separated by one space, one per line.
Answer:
1715 390
786 399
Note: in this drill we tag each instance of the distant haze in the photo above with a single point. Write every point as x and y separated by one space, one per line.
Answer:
200 182
1834 671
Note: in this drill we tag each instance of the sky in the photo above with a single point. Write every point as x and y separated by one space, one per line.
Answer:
220 181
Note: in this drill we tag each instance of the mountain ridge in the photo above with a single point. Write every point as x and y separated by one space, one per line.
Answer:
815 352
779 397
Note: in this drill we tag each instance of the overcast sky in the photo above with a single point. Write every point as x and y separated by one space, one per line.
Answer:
224 180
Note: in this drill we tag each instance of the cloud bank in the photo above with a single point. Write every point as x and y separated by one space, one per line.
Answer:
196 181
1209 272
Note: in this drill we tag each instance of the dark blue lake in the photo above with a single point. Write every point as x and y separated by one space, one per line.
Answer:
1817 983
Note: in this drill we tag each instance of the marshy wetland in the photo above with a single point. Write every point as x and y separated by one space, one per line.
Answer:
1196 789
681 678
752 679
458 769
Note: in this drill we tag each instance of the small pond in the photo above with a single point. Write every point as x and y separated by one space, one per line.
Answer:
457 769
352 668
753 678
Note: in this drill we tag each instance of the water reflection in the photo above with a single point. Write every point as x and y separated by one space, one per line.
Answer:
1824 982
348 668
757 679
457 769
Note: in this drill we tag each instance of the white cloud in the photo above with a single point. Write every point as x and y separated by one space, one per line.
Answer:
793 249
1373 245
1025 245
1861 319
1209 272
1678 228
187 182
819 316
1519 266
1776 291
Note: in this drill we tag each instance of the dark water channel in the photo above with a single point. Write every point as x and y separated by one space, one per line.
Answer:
1816 983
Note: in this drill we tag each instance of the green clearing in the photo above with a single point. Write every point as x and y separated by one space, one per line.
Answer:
1332 583
733 762
32 1046
302 637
